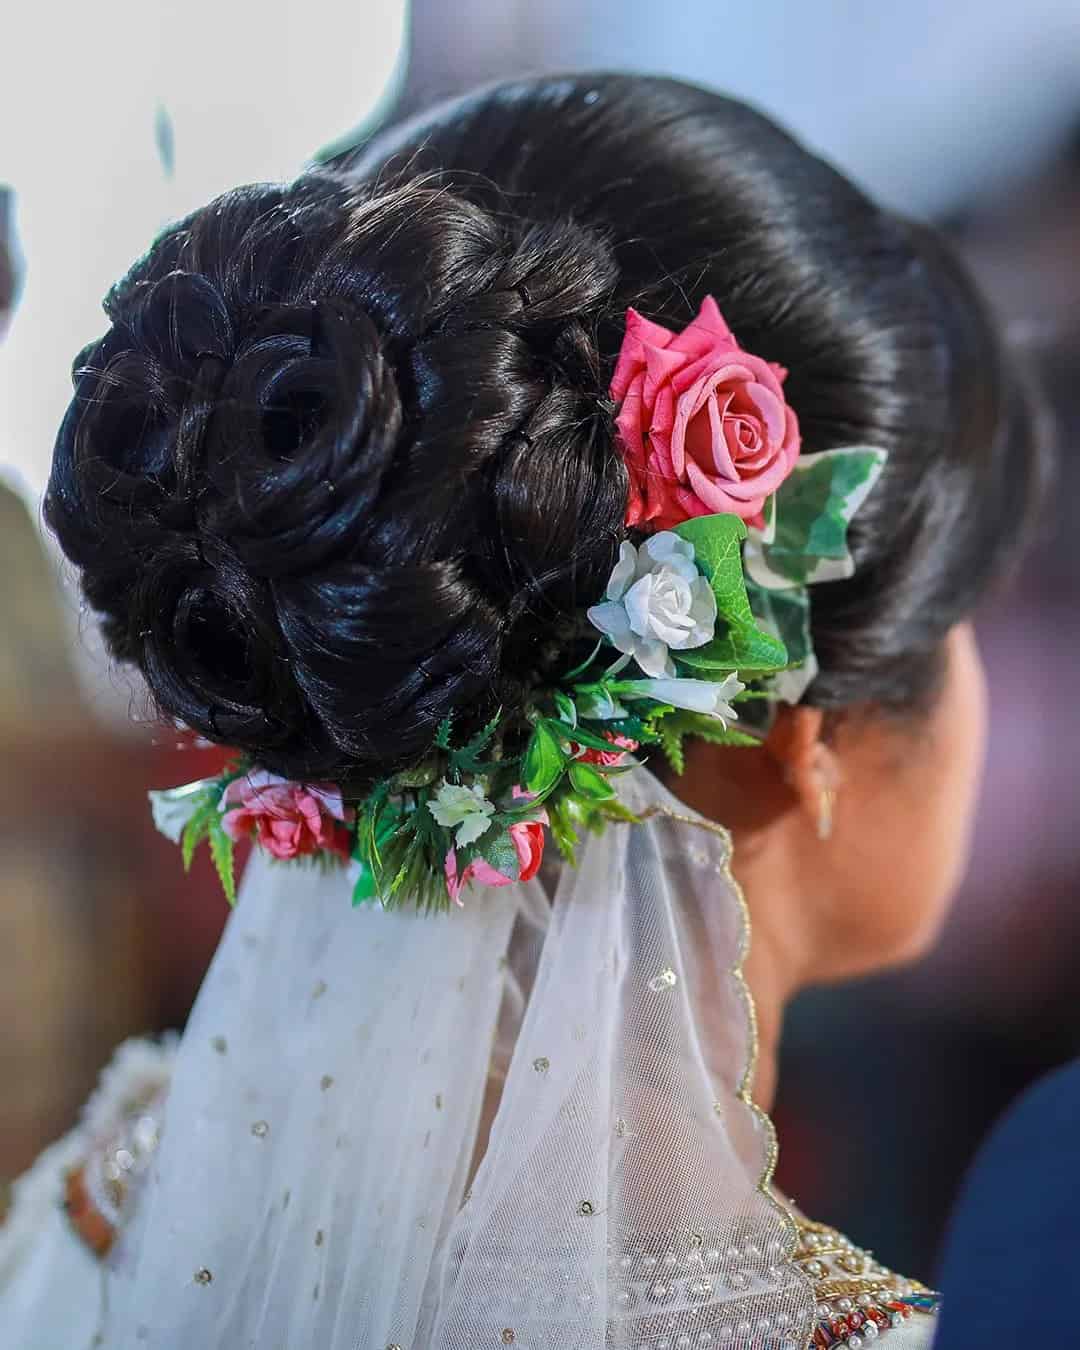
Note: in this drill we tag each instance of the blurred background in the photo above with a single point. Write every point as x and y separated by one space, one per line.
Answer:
118 117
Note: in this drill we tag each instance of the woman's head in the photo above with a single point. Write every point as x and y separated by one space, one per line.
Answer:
343 463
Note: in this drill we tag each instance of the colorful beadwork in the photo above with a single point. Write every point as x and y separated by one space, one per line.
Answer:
857 1297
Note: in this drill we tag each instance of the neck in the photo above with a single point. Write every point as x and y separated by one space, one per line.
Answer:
771 983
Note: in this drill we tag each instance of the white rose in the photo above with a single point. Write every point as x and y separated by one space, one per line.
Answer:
465 808
657 601
703 696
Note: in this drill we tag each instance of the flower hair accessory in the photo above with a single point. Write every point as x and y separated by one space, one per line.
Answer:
706 606
704 425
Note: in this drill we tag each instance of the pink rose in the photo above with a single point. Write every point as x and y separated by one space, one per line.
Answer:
704 425
608 758
527 836
289 820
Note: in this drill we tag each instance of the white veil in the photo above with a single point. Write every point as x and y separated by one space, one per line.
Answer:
313 1186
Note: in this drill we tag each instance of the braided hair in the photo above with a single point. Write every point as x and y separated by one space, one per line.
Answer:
342 464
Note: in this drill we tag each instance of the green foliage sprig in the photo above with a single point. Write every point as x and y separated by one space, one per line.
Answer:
416 834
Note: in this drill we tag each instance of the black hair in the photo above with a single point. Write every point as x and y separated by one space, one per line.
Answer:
343 462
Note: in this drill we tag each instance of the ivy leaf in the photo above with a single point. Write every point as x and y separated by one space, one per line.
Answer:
786 613
544 761
588 782
221 850
814 506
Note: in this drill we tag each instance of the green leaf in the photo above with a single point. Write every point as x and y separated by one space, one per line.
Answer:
786 613
671 742
717 542
544 761
221 850
683 723
579 735
497 848
173 808
634 728
748 650
597 703
467 760
564 815
198 826
588 782
444 732
366 887
377 820
740 645
566 709
584 666
814 507
420 775
195 831
615 810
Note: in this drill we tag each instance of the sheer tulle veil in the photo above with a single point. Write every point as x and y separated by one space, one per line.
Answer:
327 1178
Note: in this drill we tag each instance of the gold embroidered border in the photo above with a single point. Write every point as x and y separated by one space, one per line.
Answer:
772 1146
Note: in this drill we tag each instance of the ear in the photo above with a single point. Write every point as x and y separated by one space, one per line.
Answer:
808 765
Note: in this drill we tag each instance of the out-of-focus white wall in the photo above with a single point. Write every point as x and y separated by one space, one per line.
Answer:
88 95
926 103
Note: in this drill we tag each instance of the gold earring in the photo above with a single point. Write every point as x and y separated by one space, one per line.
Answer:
826 801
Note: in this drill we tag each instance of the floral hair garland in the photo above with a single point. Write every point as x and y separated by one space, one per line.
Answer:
708 608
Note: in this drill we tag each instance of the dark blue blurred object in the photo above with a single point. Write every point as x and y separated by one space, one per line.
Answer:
1014 1239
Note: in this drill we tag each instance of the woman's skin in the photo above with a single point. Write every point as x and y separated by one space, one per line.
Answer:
875 891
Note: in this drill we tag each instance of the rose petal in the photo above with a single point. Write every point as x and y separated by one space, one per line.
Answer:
661 364
770 408
709 429
663 547
482 871
611 620
329 796
672 632
237 824
703 612
653 658
636 602
453 881
623 572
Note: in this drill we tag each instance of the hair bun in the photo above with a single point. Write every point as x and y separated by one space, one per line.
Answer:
339 465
